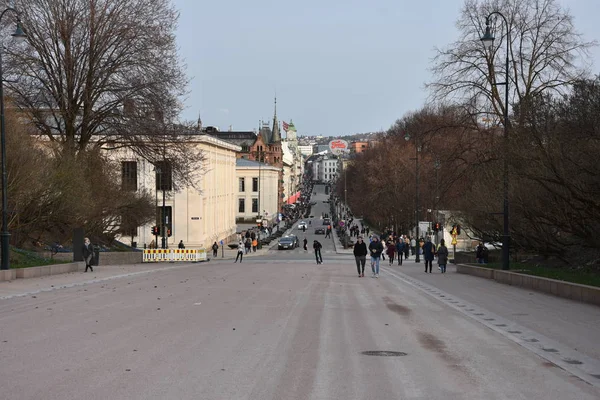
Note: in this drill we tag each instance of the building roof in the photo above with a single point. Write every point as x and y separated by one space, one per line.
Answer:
239 138
242 162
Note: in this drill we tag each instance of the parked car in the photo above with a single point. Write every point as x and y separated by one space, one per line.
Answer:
288 242
319 231
302 224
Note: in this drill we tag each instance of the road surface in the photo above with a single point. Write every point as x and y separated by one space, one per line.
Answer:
273 327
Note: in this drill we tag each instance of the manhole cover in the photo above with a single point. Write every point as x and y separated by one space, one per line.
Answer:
384 353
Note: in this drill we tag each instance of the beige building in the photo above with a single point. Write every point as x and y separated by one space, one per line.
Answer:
257 188
198 217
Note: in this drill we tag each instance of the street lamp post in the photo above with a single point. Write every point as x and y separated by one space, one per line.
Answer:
407 138
488 41
437 165
5 235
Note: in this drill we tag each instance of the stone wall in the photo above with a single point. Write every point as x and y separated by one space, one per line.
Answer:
568 290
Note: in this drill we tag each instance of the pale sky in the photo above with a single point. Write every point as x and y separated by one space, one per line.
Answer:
338 66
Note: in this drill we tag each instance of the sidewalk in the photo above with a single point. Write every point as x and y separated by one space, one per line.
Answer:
21 287
566 321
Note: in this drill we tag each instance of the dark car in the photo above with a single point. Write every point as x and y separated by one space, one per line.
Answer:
319 231
288 242
326 221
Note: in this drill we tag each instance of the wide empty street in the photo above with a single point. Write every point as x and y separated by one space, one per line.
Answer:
269 328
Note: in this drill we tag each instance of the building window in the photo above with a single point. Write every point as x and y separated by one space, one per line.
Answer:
129 175
242 184
255 184
163 175
242 205
254 205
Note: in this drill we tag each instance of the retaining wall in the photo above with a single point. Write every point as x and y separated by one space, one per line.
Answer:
568 290
45 270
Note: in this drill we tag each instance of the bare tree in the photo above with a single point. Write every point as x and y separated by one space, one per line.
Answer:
544 51
102 74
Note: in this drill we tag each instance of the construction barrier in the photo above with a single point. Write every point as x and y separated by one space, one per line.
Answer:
168 255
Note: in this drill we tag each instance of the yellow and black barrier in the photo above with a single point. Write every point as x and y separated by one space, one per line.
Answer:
174 255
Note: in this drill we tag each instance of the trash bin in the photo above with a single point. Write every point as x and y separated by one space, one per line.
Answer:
96 258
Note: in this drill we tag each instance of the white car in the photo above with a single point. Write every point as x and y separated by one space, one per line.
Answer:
302 224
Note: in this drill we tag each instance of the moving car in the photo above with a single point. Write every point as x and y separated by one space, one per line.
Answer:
326 221
288 242
319 231
302 224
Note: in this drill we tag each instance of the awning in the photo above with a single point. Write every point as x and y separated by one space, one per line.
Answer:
293 198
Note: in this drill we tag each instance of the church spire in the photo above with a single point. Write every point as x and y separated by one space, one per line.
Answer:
199 122
276 135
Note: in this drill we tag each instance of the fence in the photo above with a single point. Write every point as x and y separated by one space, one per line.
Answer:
175 255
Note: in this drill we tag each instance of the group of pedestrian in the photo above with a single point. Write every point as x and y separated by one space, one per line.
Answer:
396 248
375 250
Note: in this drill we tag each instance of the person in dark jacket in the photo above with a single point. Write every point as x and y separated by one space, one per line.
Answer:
442 254
305 241
428 254
360 255
400 250
317 247
88 254
375 248
390 251
181 245
479 252
215 248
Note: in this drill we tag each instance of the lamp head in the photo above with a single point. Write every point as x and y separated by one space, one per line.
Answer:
487 38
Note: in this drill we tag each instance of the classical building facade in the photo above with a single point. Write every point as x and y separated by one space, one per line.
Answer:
257 185
199 216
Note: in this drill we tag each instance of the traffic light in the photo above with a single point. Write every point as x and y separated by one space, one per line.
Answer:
437 227
169 232
458 229
155 230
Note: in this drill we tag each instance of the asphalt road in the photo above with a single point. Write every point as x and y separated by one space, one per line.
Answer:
273 327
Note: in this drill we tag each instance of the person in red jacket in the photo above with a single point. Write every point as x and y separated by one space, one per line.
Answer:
391 250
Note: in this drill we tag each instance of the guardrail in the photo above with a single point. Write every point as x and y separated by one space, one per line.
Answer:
174 255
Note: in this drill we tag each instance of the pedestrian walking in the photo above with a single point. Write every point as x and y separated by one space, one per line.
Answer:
240 252
376 249
254 244
248 245
391 250
317 247
400 250
181 245
413 245
360 255
442 255
88 254
215 249
305 241
428 254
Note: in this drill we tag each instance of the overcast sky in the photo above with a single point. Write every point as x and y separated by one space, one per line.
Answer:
338 66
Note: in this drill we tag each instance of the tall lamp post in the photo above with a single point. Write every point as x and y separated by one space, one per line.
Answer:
418 246
488 41
5 236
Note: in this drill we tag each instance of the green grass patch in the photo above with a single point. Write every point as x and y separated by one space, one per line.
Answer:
20 258
584 276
